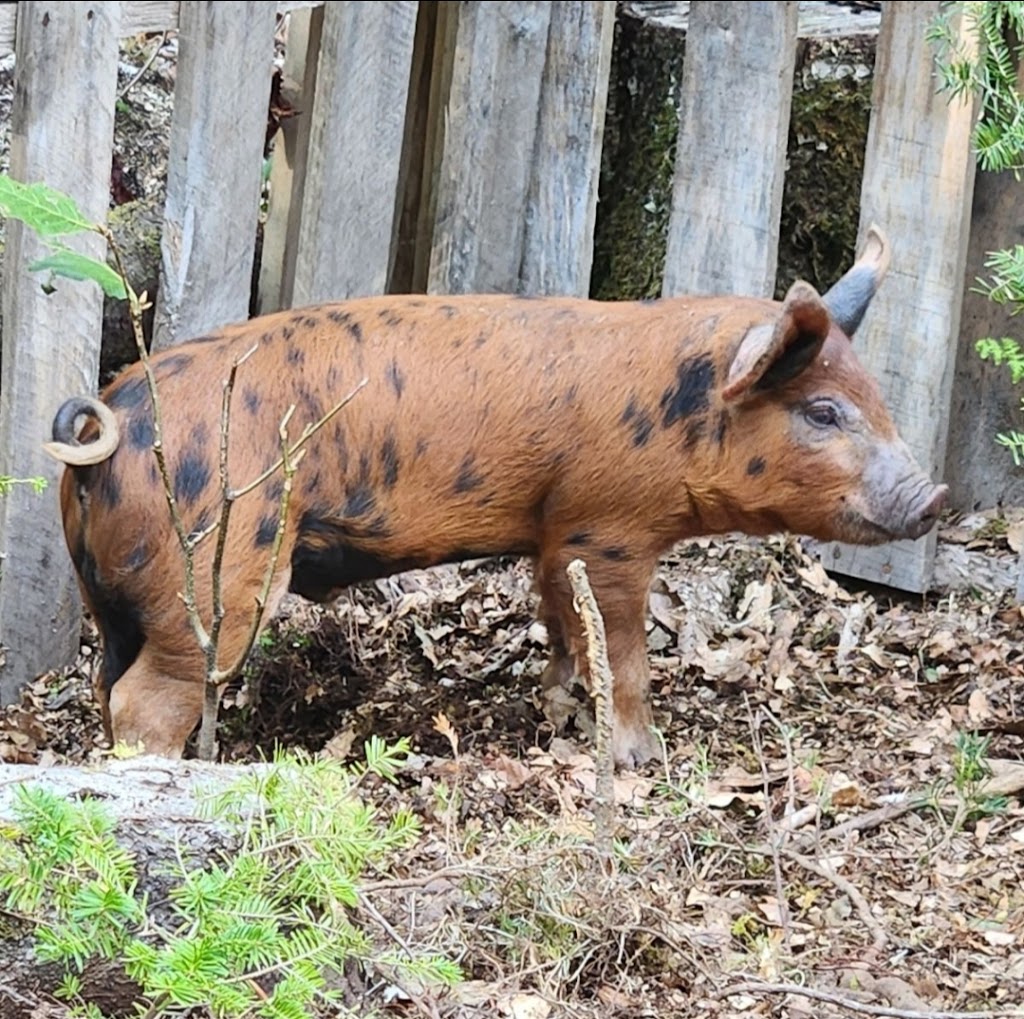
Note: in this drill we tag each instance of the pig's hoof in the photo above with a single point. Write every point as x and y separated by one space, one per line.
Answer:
634 746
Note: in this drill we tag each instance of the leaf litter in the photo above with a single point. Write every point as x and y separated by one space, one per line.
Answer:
808 830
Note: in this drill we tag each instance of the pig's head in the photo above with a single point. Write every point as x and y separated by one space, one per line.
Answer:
811 437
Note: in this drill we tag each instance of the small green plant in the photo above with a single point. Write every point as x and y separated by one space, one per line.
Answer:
983 63
970 773
8 483
257 932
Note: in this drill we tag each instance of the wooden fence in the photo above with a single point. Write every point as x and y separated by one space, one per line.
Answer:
444 147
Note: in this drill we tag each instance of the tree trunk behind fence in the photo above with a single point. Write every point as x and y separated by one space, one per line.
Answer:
62 126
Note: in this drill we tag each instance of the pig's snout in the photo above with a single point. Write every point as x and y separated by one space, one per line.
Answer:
923 517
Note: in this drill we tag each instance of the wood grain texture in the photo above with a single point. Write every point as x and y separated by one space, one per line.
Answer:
918 180
558 246
214 167
137 16
288 162
981 474
62 125
355 148
484 176
734 121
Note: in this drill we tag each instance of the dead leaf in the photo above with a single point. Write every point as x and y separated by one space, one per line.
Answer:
527 1006
445 728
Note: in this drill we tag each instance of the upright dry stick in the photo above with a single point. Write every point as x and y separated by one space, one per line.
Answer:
601 690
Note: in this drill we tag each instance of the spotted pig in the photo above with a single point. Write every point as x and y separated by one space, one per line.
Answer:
552 428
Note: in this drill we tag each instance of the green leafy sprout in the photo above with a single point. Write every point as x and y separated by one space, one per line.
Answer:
982 63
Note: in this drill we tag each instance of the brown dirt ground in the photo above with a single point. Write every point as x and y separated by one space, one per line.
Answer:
806 828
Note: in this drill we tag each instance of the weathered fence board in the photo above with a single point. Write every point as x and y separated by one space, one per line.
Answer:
490 136
136 17
288 163
62 126
918 178
348 220
558 246
522 134
730 166
984 400
214 167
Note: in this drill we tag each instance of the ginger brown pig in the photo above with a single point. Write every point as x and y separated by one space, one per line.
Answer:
547 427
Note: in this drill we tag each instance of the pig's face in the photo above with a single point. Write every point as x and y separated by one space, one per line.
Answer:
815 450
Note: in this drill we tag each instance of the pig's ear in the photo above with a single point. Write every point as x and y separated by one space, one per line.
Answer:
850 296
773 353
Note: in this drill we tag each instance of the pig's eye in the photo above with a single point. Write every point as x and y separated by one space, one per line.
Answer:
822 414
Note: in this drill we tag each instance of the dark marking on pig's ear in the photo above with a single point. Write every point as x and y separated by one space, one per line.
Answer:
772 354
395 377
467 479
267 530
251 399
389 461
579 538
755 466
154 474
690 395
615 553
191 477
850 296
295 356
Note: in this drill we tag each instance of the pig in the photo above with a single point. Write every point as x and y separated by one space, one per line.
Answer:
550 427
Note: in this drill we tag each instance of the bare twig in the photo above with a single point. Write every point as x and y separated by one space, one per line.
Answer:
755 987
291 456
879 939
145 67
602 691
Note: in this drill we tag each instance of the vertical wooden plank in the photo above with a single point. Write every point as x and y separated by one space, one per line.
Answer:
558 246
737 92
62 129
288 162
214 166
918 178
349 205
984 401
484 179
